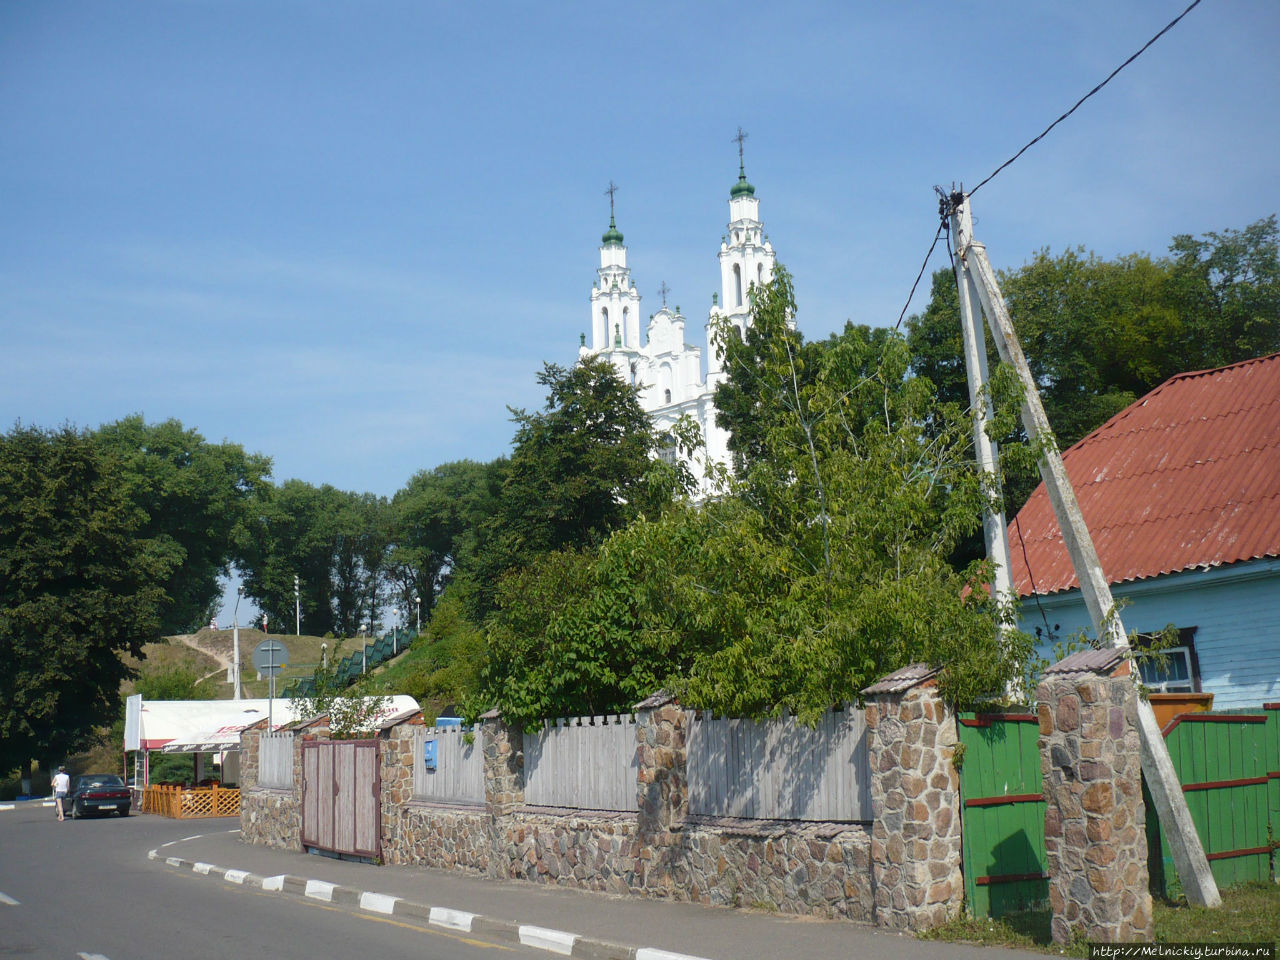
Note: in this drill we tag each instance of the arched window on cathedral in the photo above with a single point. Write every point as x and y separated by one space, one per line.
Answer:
737 283
617 335
760 274
666 396
604 320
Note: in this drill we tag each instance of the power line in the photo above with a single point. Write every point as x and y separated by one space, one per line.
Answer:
1169 26
941 227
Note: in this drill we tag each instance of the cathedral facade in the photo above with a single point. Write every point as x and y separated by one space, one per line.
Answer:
654 356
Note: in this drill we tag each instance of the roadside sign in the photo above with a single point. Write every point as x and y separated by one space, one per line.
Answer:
269 656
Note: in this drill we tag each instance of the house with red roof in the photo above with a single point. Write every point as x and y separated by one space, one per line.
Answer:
1181 493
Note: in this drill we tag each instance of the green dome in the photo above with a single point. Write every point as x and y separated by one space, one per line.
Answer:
612 235
742 188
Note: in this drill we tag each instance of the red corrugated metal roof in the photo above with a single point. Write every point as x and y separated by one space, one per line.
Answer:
1188 477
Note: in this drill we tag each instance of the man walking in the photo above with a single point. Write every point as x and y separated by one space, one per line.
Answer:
61 787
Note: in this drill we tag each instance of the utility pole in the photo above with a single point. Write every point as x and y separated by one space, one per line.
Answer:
235 643
297 608
975 276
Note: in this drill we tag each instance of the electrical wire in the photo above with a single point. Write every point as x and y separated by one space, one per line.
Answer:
1169 26
941 227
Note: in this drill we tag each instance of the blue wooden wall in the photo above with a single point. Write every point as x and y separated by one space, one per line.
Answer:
1235 608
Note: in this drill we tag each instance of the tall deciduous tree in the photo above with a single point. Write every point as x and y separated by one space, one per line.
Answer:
577 471
80 585
194 495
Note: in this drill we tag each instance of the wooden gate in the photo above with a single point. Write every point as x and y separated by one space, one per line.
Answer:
341 797
1005 865
1229 765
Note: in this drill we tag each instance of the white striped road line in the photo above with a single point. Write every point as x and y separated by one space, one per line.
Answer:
653 953
453 919
235 876
8 900
91 956
200 867
378 902
273 883
555 941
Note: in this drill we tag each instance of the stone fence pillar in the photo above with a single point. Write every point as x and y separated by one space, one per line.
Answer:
503 747
662 794
915 801
662 776
1095 820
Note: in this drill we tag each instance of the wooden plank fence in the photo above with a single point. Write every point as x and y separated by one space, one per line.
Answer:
584 762
1229 763
780 769
275 760
458 776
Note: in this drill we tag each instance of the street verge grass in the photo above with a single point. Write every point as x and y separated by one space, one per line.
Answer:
1250 913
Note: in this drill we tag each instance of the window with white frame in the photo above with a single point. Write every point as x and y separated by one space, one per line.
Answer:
1173 669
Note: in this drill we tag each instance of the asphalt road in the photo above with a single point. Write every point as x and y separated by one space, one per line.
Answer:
85 890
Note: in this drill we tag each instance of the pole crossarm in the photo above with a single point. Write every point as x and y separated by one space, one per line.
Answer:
974 275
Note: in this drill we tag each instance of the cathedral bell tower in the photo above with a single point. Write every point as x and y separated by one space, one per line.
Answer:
615 303
746 261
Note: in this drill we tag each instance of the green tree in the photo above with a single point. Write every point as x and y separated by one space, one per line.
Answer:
579 469
194 495
80 585
438 519
822 567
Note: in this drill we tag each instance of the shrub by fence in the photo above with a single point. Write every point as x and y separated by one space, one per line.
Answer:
583 762
458 774
780 769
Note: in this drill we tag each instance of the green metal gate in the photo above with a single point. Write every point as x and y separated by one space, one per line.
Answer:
1003 809
1229 766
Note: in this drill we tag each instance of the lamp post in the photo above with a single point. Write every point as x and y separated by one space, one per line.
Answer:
235 642
417 602
297 608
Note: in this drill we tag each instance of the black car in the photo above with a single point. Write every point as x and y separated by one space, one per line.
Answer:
98 793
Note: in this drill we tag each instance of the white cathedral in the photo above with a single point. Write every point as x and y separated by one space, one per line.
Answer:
667 370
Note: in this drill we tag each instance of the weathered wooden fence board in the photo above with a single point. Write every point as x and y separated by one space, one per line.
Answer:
458 776
341 794
1228 764
275 760
779 769
1003 808
583 762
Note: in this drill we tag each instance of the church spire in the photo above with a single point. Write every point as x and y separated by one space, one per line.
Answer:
742 188
613 234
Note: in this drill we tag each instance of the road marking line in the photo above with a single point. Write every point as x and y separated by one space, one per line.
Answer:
91 956
319 890
273 883
6 806
453 919
555 941
235 876
6 899
185 839
49 803
378 902
200 867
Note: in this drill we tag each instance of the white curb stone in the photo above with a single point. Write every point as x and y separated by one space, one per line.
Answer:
453 919
555 941
378 902
273 883
319 890
235 876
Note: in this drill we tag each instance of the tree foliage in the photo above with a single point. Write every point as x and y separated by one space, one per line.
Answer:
195 495
578 470
821 568
80 585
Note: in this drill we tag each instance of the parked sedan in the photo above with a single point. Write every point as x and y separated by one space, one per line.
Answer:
99 793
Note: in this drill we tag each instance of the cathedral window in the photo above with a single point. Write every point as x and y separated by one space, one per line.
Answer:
760 273
666 396
737 283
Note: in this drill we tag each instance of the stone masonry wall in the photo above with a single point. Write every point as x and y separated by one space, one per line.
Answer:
1095 834
915 803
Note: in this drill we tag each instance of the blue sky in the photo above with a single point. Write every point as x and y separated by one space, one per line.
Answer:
347 235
